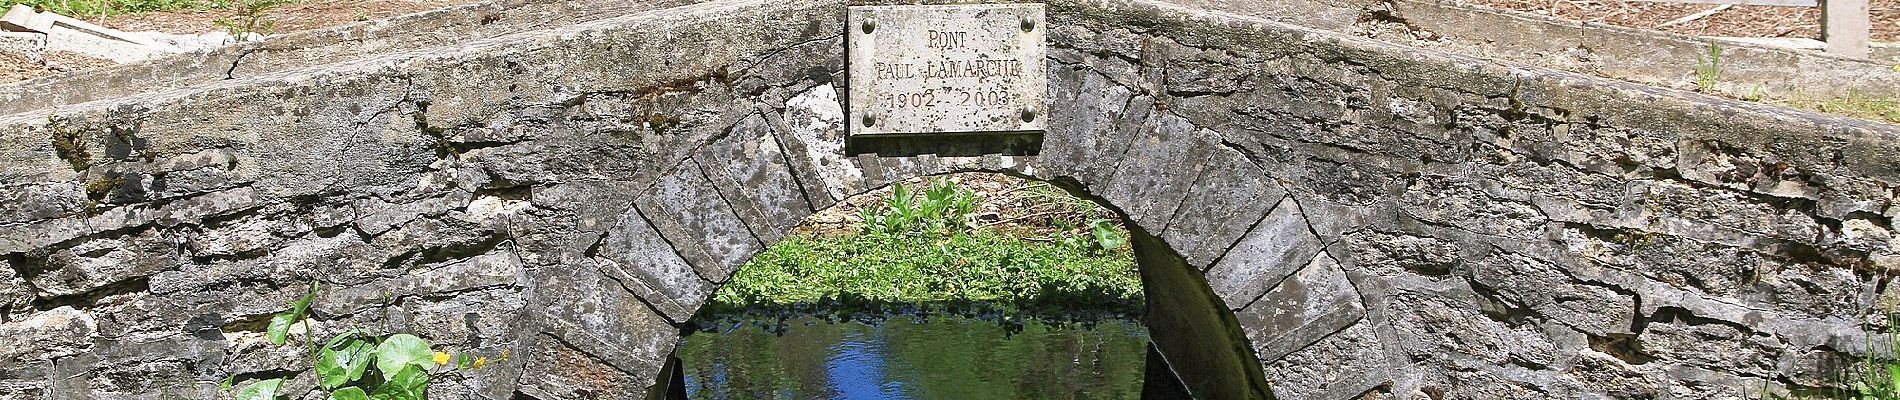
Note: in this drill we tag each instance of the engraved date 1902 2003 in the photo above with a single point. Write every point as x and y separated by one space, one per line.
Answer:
949 96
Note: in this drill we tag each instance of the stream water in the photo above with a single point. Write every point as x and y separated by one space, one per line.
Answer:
908 357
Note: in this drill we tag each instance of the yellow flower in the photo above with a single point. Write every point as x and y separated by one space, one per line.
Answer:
479 361
441 358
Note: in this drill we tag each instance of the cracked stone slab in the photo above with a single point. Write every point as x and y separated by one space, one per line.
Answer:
1227 199
1310 305
756 173
1158 171
634 254
1278 246
816 120
1084 127
589 314
487 270
1342 365
689 212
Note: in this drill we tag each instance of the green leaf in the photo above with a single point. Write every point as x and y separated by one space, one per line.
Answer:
280 327
337 366
412 383
401 350
349 393
226 385
264 390
281 322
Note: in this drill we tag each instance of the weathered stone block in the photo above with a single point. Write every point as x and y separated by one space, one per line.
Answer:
1280 244
1393 254
1304 308
55 333
1086 132
1342 365
753 173
1593 307
1222 204
1440 328
816 120
596 334
686 209
643 262
1461 203
1159 169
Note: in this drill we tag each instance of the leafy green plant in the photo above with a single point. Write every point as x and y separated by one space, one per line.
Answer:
1708 70
942 208
402 362
252 18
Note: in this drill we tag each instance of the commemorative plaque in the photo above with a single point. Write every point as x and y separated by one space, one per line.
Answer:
928 69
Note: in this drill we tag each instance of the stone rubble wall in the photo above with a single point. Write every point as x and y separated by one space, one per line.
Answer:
1379 219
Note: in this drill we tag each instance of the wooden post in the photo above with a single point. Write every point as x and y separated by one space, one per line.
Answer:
1844 26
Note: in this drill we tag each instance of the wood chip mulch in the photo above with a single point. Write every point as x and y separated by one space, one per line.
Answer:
1739 20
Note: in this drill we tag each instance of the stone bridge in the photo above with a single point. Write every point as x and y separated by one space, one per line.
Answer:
1317 215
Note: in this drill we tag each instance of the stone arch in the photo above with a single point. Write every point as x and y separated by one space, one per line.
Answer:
743 191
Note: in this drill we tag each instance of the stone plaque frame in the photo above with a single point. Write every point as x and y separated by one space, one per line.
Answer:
947 69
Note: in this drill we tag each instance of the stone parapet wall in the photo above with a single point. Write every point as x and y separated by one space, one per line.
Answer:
1363 217
420 32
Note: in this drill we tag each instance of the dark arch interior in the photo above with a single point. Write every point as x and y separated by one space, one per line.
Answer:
1197 347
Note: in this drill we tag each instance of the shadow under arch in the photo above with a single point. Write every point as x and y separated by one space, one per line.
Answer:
1198 349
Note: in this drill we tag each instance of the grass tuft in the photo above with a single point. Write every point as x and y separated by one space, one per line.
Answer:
1855 105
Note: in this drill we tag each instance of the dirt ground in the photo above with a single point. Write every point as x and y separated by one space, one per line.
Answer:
1740 20
1007 204
14 67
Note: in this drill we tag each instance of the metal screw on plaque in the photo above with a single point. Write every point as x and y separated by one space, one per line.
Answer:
869 119
869 25
1029 114
1028 24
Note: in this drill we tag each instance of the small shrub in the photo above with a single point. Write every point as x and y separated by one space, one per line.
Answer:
252 18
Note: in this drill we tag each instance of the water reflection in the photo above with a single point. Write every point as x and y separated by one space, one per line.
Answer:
936 357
